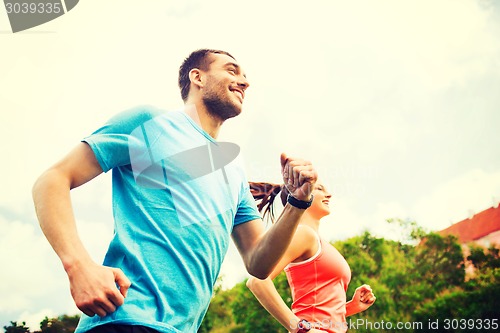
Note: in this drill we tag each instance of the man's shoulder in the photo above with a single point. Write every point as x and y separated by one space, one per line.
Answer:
138 114
134 118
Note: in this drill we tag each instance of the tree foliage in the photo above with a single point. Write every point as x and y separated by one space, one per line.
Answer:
250 315
418 279
14 327
479 295
219 314
61 324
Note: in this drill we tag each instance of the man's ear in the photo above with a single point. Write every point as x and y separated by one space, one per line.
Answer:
195 76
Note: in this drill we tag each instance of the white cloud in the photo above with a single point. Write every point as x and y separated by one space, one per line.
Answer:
454 200
23 253
348 220
33 319
233 270
449 202
95 237
31 273
343 222
32 276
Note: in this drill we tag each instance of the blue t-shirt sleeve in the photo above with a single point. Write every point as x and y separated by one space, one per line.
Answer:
247 209
112 142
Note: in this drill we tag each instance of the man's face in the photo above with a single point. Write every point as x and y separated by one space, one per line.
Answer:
224 88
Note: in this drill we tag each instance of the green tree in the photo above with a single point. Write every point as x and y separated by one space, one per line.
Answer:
16 328
384 265
418 278
409 230
403 276
476 300
250 315
61 324
484 261
439 265
219 317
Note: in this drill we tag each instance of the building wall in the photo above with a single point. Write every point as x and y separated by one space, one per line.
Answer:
488 240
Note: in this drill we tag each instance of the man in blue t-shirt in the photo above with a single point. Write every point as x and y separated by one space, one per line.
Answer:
178 195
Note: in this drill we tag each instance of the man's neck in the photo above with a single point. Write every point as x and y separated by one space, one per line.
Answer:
203 118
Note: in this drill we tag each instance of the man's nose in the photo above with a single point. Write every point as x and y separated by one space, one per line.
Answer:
243 82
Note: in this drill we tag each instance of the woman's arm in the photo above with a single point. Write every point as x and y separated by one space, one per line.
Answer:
363 298
265 290
268 296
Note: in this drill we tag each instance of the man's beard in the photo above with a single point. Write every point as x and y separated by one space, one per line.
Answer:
220 107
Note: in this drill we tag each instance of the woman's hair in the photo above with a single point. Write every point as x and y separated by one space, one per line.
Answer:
266 193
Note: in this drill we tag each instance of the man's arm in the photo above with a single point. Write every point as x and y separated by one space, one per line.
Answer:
93 287
262 250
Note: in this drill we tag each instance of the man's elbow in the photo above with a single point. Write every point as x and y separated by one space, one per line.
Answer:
41 183
38 187
258 272
47 182
257 264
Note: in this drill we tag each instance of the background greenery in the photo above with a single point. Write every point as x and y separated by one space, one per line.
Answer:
420 279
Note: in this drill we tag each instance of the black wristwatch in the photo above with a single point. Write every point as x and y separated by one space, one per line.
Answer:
304 326
299 203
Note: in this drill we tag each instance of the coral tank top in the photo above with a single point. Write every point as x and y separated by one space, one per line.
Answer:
319 286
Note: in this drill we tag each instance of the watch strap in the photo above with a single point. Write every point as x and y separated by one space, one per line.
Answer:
304 326
299 203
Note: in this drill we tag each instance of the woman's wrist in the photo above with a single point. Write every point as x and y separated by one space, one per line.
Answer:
352 308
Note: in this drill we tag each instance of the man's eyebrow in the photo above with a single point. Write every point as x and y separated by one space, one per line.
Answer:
235 65
231 64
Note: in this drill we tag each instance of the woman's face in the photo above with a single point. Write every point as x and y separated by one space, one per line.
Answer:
321 203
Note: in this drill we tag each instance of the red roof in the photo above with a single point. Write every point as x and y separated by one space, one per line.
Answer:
479 226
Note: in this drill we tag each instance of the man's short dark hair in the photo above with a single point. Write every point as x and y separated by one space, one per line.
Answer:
197 59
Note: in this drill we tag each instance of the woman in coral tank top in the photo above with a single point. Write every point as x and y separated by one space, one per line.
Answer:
317 273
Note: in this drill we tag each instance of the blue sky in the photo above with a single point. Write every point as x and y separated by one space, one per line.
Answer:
395 102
